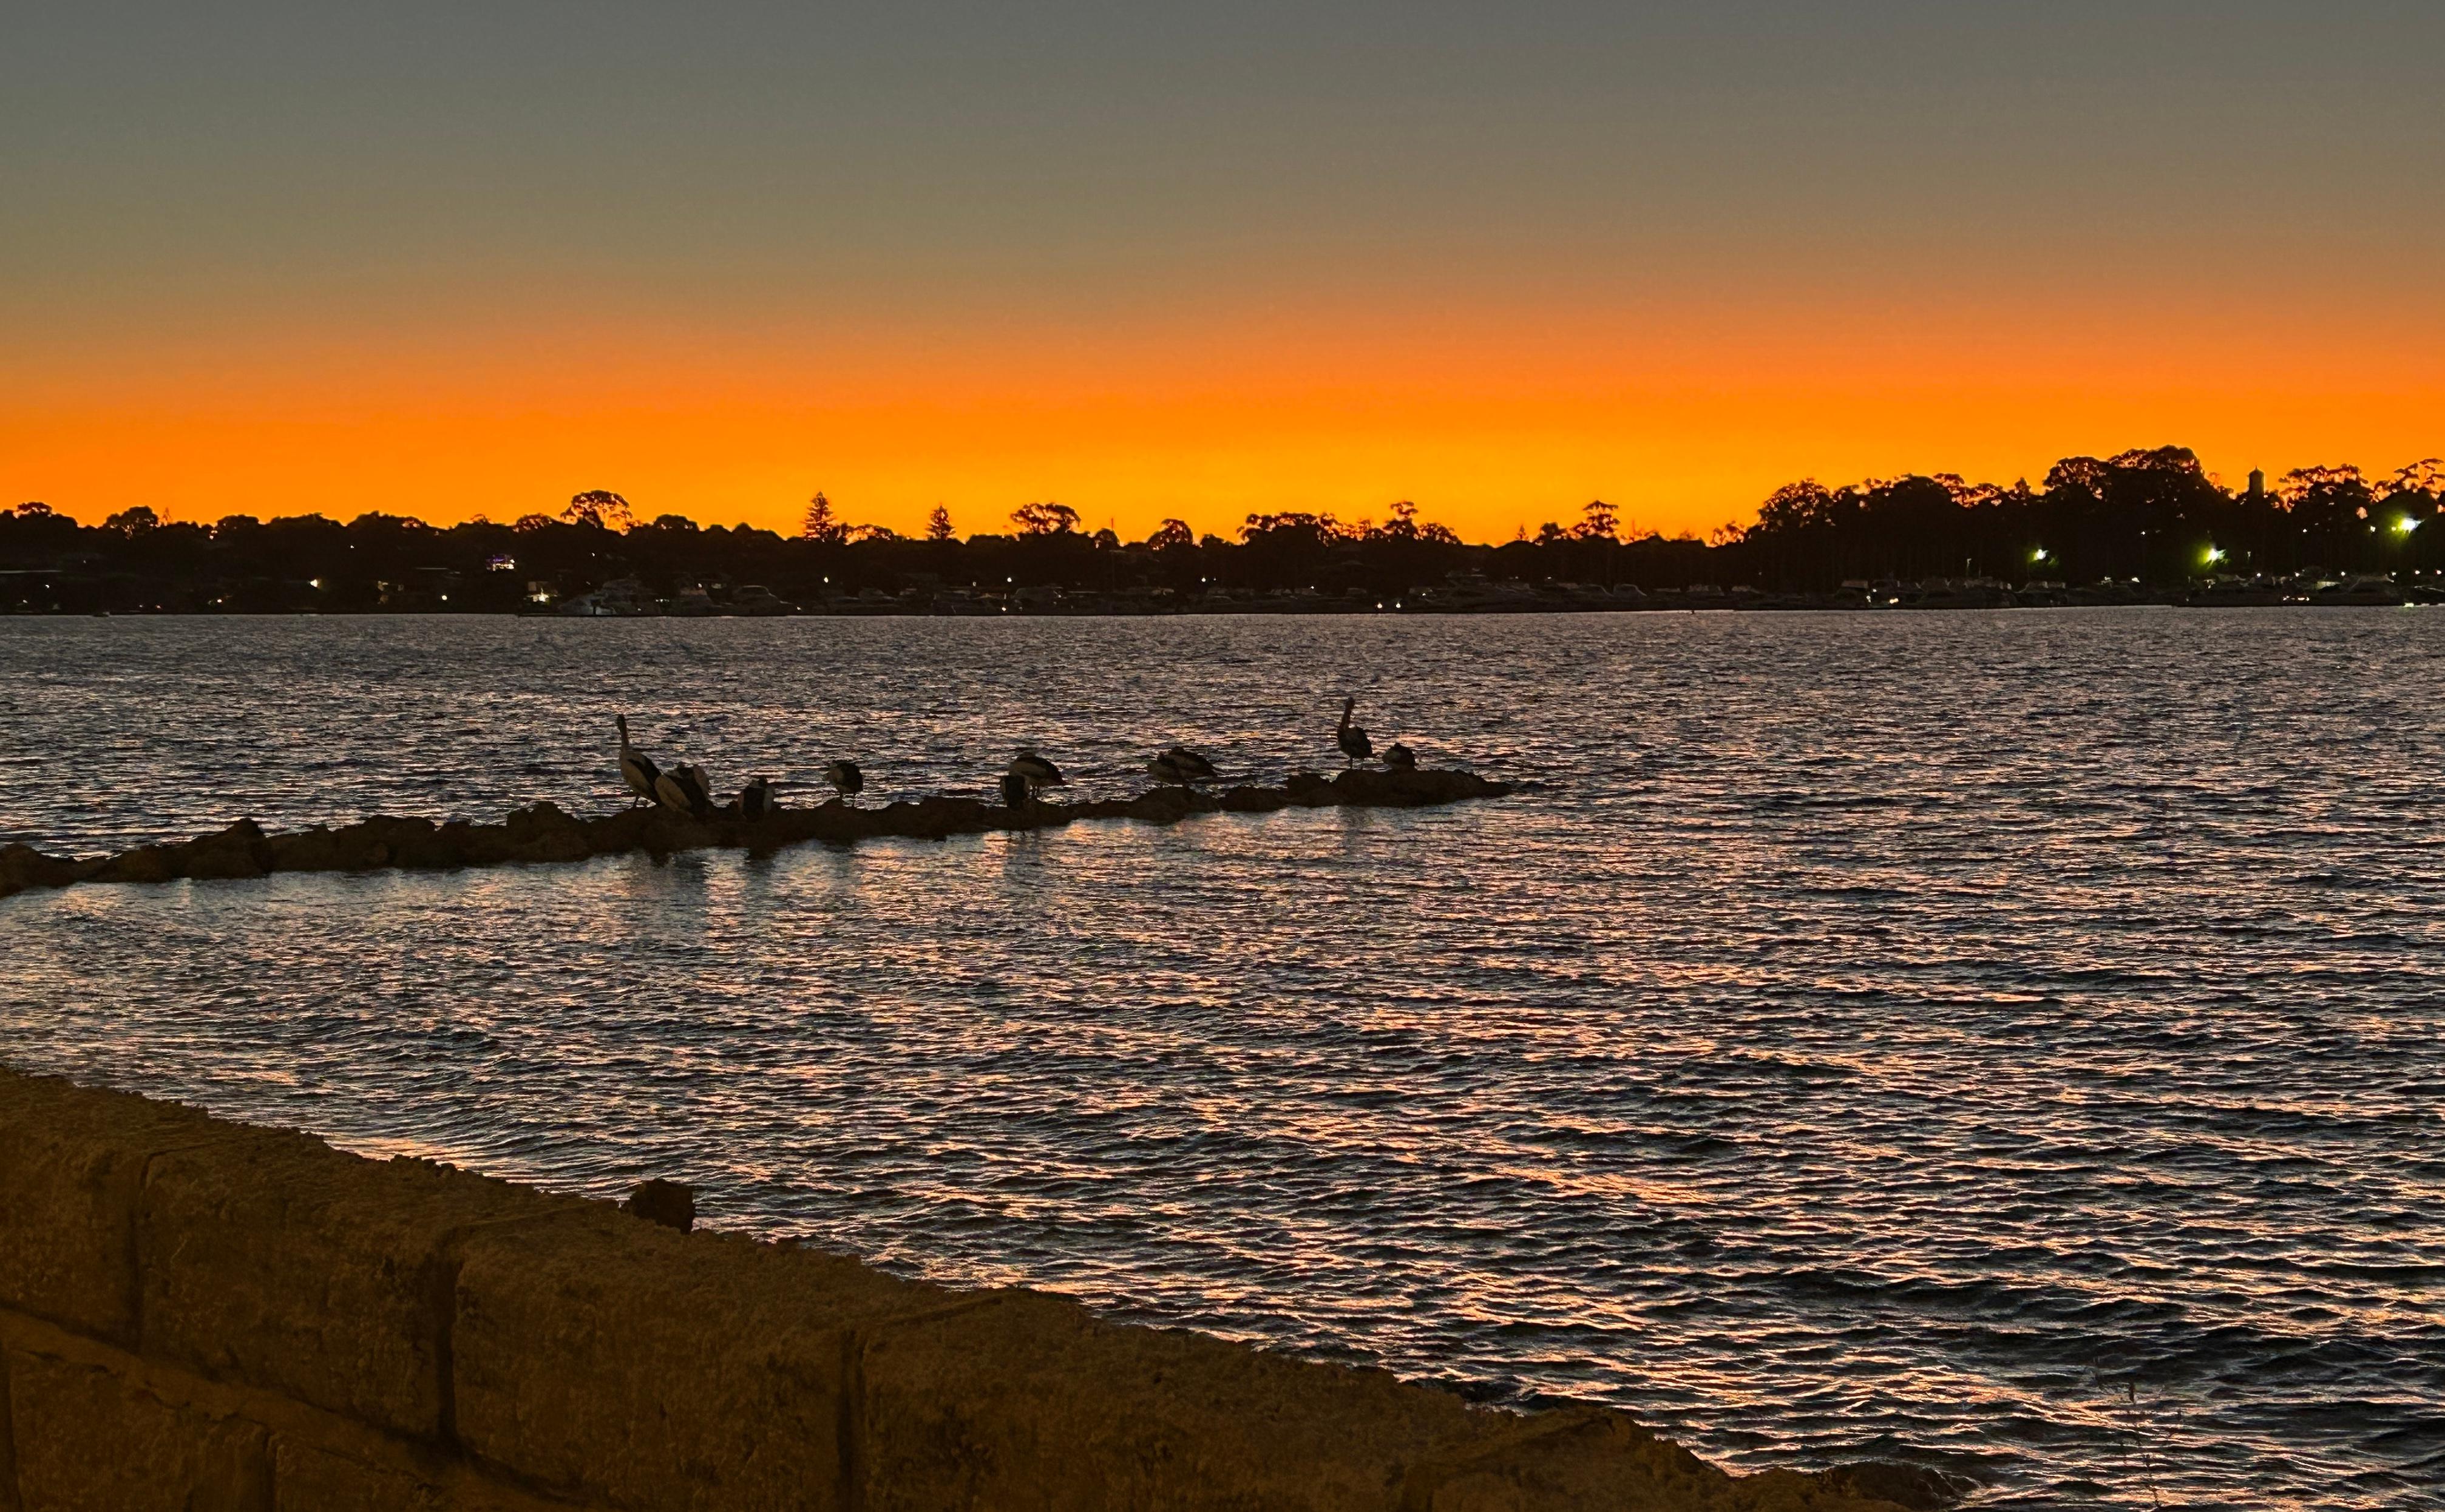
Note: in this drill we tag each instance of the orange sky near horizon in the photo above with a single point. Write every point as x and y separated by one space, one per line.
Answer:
1486 429
1198 262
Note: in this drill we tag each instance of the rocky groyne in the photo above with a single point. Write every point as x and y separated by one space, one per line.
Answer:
202 1315
544 832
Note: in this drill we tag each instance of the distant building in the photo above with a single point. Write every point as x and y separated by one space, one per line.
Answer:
2257 486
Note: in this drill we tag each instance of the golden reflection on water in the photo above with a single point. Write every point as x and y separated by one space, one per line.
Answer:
1867 1052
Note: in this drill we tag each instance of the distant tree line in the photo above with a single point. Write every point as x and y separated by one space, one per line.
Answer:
2152 515
2155 517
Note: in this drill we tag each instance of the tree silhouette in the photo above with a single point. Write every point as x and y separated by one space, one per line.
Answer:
821 525
1597 522
1045 519
1173 535
599 509
938 525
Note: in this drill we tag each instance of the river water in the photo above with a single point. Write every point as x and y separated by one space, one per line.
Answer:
2007 1041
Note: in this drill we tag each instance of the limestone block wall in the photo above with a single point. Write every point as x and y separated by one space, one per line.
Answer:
202 1317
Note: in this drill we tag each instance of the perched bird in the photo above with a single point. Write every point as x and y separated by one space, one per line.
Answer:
636 769
1035 771
1168 768
682 790
1353 740
1198 768
846 780
755 800
1013 791
1400 758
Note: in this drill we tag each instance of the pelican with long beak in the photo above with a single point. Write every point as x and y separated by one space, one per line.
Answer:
636 769
1353 740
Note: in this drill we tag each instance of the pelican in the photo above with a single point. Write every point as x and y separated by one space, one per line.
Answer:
1013 791
1035 772
846 780
1353 740
636 767
755 800
683 789
1400 758
1180 765
1198 768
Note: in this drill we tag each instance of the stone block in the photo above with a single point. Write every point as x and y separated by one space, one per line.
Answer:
616 1359
72 1162
89 1441
285 1264
1023 1402
312 1477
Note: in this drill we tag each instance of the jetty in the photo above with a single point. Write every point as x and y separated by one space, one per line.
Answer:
543 832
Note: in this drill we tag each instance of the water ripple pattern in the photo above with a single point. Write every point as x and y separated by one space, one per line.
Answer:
2006 1041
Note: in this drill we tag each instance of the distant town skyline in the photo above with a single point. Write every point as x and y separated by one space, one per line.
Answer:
273 259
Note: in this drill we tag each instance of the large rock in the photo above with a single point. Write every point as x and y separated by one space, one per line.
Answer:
143 864
543 832
237 852
314 848
1309 790
23 865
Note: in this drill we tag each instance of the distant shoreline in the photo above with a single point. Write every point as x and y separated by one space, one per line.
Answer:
1587 602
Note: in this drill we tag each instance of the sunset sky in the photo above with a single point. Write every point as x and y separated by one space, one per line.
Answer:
1163 260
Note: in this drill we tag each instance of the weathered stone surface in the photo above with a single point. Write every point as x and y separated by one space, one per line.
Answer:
310 849
240 851
543 832
72 1165
1594 1460
143 864
88 1440
1309 790
308 1478
26 867
1021 1401
624 1361
312 1477
1255 800
281 1262
9 1502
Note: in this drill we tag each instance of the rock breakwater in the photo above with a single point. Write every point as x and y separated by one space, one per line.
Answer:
545 832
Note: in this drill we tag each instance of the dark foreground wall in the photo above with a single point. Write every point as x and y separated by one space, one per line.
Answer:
200 1317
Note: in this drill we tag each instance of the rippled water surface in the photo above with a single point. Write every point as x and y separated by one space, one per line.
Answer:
2004 1040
